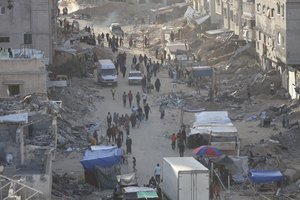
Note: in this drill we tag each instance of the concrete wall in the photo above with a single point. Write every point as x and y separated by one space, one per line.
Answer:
248 20
29 16
214 17
293 33
30 74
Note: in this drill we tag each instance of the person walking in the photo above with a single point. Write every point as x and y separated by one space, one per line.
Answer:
157 173
127 127
128 145
144 97
216 191
147 110
130 97
157 85
108 120
134 163
181 148
173 139
124 99
162 110
138 98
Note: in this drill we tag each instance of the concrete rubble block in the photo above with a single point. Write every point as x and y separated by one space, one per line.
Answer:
291 175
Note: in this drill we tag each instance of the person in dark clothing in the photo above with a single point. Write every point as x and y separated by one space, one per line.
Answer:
157 84
181 148
156 53
145 59
152 182
119 141
130 97
183 135
109 134
144 83
146 109
121 135
138 98
134 60
141 59
133 120
127 128
123 71
134 163
109 119
124 97
128 145
162 110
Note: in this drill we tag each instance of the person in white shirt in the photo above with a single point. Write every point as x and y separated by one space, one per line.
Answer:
157 173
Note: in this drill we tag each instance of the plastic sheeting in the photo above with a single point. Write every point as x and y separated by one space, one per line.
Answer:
106 177
102 156
265 176
127 179
212 118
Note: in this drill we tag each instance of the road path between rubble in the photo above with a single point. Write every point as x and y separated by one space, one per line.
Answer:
150 143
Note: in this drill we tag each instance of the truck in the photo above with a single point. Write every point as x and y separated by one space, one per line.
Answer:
106 72
184 178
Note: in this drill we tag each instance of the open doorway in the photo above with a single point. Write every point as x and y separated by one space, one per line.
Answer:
13 89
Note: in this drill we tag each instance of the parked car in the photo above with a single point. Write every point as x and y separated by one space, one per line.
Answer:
135 77
115 28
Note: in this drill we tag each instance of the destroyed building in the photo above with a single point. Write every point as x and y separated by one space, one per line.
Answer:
30 23
272 26
27 144
22 72
277 39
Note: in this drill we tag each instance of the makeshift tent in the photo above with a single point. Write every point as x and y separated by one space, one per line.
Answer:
105 177
216 129
236 165
212 118
265 176
102 156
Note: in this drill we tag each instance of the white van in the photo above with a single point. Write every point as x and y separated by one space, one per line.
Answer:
106 72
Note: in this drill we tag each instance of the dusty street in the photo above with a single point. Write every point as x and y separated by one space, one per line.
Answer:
151 140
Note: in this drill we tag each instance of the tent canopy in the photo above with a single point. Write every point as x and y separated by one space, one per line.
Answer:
212 118
265 176
102 156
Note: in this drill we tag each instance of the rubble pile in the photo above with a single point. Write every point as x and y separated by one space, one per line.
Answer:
77 103
111 11
68 187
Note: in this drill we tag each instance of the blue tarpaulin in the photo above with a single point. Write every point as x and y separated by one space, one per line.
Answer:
265 176
102 156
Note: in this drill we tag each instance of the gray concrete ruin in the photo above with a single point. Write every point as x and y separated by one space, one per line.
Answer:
27 145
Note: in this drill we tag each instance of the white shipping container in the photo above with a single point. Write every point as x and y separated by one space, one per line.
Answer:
184 178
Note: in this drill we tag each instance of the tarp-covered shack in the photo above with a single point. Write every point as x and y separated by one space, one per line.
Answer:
100 165
216 129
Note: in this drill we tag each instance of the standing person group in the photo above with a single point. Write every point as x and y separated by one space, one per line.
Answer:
180 137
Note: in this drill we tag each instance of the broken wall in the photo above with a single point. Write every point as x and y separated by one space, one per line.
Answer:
29 74
8 143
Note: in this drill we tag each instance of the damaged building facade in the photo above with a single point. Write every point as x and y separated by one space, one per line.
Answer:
28 24
278 39
271 26
23 73
27 144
